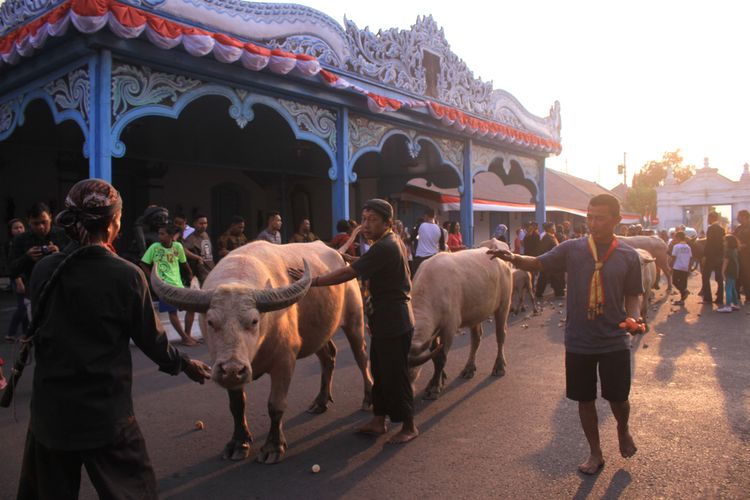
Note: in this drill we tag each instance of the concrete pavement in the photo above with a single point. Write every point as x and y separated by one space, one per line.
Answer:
510 437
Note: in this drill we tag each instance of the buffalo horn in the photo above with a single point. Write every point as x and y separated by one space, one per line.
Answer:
273 299
189 299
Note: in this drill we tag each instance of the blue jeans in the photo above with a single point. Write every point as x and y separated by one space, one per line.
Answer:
730 288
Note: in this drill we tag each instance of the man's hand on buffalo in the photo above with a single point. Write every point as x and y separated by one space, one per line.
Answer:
501 254
197 371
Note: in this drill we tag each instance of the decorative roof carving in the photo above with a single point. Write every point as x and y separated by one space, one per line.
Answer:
396 57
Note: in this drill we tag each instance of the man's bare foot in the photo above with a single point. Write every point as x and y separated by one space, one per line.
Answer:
375 427
189 342
404 436
592 465
627 445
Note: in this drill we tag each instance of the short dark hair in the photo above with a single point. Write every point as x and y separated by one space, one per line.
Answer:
180 216
199 215
430 212
272 213
37 209
342 226
713 215
606 200
548 225
743 212
237 219
679 235
170 229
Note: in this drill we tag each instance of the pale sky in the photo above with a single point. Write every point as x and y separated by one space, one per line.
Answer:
641 77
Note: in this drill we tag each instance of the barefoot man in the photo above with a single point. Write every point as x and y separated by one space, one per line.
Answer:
604 281
390 317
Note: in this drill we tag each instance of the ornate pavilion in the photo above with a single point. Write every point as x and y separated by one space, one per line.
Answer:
230 107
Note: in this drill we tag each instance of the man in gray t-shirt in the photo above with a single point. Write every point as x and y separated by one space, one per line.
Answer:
604 282
272 232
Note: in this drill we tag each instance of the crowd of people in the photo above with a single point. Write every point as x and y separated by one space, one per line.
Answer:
100 287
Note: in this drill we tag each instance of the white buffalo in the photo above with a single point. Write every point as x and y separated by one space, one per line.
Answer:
454 290
648 278
658 249
258 322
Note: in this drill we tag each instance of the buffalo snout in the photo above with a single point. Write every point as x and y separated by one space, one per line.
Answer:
232 373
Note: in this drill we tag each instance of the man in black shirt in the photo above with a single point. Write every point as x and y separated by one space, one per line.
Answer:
41 240
713 258
547 242
390 316
81 403
531 240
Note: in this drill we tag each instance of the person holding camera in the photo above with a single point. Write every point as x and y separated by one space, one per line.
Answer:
39 241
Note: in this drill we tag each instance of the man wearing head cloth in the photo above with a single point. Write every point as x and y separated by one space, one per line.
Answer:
81 404
390 317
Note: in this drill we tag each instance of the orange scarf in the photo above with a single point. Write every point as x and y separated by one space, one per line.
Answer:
596 289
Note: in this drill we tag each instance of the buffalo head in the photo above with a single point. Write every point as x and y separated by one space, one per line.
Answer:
232 313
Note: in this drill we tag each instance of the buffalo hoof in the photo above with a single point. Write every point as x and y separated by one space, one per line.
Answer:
468 372
318 406
367 402
498 370
272 453
237 449
431 393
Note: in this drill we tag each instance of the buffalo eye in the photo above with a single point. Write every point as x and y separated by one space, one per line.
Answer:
210 323
255 321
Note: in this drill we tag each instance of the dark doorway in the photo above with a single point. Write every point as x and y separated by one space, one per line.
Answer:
226 202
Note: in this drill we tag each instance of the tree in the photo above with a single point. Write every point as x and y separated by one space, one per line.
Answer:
641 197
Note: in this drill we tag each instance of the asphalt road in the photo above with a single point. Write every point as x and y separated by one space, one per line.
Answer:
510 437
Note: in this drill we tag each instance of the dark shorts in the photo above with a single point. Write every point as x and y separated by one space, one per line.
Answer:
614 374
166 308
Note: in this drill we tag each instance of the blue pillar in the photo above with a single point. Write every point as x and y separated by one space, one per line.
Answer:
100 116
541 197
467 199
340 189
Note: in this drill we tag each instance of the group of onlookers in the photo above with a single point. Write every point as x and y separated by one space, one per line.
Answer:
726 257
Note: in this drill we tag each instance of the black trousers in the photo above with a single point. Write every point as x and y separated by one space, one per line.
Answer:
712 266
680 280
392 394
557 280
119 470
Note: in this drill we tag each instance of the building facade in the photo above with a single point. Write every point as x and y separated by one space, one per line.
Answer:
689 202
226 108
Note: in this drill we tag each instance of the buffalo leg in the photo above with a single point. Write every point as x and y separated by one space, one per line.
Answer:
501 329
238 448
354 329
356 337
327 357
274 449
471 366
534 307
437 383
